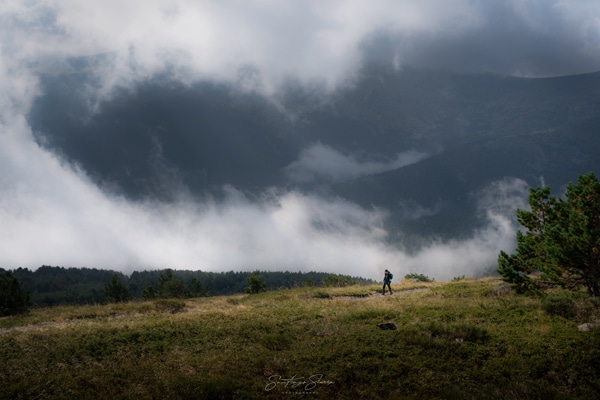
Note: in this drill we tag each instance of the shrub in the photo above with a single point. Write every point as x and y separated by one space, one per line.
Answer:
277 341
559 305
169 305
338 281
419 277
457 333
321 295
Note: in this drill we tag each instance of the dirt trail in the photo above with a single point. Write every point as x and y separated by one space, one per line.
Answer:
53 324
378 294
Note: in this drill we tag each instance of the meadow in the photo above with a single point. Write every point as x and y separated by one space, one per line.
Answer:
466 339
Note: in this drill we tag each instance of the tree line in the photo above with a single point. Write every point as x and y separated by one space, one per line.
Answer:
53 285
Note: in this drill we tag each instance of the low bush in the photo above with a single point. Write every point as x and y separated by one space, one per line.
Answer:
419 277
559 305
321 295
277 341
169 305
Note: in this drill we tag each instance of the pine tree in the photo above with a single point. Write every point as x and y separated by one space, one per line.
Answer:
115 291
169 286
579 234
532 246
255 284
13 299
561 242
198 289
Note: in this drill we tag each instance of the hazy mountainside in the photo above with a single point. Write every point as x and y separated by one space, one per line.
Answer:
144 140
163 137
491 128
448 183
388 110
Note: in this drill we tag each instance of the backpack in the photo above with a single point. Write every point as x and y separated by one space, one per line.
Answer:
391 276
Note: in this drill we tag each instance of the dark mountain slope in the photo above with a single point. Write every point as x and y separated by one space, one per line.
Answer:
448 183
162 136
388 110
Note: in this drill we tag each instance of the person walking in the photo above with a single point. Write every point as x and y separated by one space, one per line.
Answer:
387 280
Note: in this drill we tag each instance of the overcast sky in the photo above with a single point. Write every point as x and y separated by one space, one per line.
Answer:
51 213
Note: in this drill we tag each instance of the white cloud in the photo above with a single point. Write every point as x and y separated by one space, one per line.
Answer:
305 41
323 163
446 260
310 42
52 214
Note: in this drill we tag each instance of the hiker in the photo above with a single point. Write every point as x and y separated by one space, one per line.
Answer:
387 279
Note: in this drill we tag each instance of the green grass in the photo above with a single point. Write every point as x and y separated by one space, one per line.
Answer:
458 340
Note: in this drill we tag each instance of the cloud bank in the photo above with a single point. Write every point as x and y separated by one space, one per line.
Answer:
52 213
265 43
323 163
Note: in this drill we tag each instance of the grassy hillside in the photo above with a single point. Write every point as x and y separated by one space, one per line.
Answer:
464 339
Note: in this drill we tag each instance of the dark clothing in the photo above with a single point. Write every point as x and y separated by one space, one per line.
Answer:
386 282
